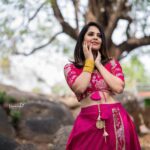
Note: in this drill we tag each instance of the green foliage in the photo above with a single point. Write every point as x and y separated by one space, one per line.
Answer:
147 102
141 4
60 89
36 90
15 117
24 31
52 2
5 64
134 72
5 98
6 1
2 97
10 99
66 50
24 10
11 107
8 31
56 89
23 100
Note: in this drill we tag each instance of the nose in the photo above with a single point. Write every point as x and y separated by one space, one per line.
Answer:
95 37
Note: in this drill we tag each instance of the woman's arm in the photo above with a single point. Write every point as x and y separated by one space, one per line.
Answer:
79 82
82 82
115 83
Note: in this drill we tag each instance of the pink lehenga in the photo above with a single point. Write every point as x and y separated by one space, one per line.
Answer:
121 131
103 126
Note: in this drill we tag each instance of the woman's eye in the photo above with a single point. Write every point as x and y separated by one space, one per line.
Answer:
99 35
90 34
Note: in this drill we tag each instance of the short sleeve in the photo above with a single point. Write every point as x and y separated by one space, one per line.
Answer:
71 73
116 69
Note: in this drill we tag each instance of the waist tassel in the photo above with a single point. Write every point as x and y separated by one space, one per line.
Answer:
100 124
105 133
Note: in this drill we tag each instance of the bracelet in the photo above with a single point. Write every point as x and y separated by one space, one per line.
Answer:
88 66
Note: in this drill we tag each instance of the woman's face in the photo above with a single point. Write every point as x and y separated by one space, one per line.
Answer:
93 36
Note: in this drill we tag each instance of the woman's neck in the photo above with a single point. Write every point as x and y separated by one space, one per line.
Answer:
94 54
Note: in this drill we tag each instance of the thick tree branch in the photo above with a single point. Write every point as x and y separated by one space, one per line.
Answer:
127 46
133 43
65 25
107 13
115 13
113 19
39 47
92 11
76 9
36 12
128 28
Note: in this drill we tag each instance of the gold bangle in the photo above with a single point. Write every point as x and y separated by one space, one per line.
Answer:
89 62
89 65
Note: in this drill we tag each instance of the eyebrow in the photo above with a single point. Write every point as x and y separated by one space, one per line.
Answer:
93 32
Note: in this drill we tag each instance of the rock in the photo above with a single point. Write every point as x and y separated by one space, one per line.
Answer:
26 147
61 137
19 95
132 106
75 112
5 127
50 146
146 117
144 129
7 143
71 101
40 120
139 115
145 142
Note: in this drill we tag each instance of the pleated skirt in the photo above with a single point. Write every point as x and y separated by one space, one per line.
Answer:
118 124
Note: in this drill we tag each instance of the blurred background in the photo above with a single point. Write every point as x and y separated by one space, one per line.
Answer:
37 39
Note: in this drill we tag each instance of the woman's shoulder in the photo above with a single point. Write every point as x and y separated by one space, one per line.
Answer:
69 65
112 62
72 65
71 70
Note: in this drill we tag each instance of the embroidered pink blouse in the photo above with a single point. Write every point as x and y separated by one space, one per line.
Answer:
97 82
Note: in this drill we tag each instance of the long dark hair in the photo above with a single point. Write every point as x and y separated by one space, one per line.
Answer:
78 51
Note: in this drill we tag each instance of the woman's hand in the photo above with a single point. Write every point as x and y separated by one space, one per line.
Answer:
98 59
87 51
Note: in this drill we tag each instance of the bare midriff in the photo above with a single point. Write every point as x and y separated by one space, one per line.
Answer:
108 99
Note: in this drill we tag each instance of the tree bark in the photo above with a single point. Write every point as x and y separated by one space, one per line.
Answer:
107 13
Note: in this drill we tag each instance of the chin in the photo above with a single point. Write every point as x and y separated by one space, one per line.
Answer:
95 49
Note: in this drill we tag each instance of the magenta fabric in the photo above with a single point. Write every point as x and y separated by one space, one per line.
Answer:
95 96
121 130
97 82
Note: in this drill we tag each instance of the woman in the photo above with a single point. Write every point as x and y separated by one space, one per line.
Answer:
102 124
